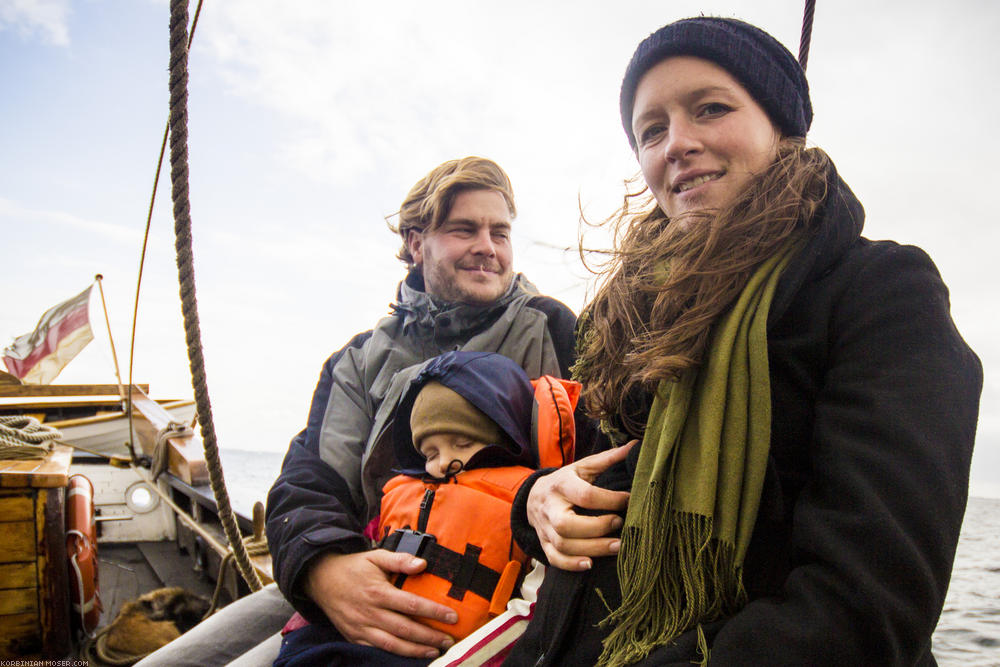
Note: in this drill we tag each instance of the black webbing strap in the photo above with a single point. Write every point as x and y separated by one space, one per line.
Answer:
464 571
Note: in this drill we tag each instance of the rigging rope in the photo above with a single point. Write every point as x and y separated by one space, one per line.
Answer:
807 27
142 255
185 271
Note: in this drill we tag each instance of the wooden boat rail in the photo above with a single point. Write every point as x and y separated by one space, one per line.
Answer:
31 390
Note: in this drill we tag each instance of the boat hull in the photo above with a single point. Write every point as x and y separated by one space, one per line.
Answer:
107 433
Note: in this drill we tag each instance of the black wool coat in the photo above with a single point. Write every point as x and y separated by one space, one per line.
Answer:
875 399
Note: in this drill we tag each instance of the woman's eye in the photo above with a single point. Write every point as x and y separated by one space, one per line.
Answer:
651 133
715 109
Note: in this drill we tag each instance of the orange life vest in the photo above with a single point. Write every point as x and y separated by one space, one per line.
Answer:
462 526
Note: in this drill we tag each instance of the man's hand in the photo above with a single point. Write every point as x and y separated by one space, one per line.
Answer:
569 539
356 593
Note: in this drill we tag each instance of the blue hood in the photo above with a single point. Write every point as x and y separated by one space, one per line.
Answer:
491 382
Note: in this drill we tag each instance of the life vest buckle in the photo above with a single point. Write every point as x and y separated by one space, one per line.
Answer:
412 542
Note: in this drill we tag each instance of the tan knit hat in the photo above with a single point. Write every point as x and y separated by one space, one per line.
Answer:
438 409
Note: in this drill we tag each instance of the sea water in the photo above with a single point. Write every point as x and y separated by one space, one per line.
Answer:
968 633
969 630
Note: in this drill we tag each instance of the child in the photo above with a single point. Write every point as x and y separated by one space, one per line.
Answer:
469 429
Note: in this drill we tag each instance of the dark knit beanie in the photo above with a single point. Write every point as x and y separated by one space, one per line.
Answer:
438 409
766 69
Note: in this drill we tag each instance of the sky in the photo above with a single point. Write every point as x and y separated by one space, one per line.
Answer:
309 121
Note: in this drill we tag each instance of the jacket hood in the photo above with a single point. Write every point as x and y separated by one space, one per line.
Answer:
445 319
495 385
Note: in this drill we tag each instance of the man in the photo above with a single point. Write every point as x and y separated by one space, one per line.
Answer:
460 292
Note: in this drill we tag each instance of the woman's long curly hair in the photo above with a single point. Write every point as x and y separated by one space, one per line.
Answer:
664 284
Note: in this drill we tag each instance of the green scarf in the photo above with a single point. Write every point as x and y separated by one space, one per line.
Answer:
697 484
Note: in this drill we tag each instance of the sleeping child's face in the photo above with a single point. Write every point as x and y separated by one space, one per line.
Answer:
443 450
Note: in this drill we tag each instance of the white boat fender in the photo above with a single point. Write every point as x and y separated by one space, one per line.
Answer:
81 549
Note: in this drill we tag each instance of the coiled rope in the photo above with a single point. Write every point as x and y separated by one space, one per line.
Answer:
96 651
185 271
807 27
23 437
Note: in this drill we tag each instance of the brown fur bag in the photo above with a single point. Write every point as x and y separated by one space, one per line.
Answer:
149 622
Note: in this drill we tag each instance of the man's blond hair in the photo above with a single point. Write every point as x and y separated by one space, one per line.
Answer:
429 201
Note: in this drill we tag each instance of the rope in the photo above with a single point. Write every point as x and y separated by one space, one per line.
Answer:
23 437
115 461
185 271
161 450
96 651
142 257
254 548
807 27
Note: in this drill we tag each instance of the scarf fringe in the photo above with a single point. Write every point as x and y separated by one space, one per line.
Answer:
669 586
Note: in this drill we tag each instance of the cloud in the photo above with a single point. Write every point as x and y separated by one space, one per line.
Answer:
30 218
407 92
47 18
373 101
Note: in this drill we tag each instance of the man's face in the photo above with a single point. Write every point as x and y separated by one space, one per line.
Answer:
468 259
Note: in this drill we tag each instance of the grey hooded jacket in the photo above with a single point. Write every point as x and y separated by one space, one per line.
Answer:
335 468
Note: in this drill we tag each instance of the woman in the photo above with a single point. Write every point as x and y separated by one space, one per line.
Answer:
805 405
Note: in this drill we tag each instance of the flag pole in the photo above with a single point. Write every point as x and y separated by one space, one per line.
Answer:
107 321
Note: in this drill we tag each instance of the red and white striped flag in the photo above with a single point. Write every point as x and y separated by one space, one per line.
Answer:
63 331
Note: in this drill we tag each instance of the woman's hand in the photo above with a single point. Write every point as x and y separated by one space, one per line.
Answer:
568 539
